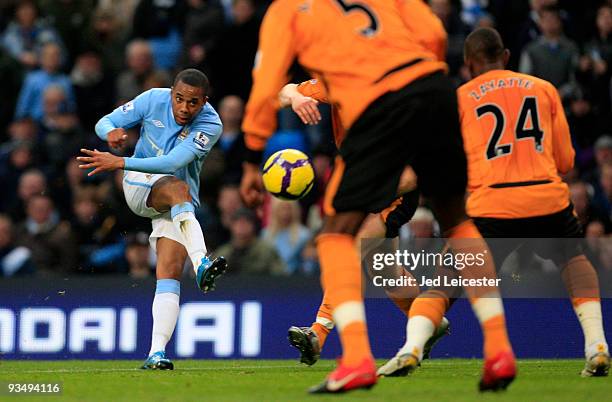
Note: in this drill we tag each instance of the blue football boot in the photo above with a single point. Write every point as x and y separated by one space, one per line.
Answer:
158 361
208 271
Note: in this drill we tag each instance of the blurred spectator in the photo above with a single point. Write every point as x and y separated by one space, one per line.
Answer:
231 111
106 36
11 74
14 260
23 130
50 239
62 133
245 252
581 194
203 23
26 34
552 56
93 87
30 103
457 32
286 232
597 58
603 195
70 18
157 79
160 23
16 158
224 162
235 54
123 12
31 183
87 222
529 31
229 203
139 60
137 254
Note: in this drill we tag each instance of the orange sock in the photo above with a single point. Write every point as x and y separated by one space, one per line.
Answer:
431 304
486 300
324 323
496 336
341 277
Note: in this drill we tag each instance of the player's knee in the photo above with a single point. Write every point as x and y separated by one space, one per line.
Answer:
179 190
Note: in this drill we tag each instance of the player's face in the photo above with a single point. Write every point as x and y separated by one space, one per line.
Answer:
187 101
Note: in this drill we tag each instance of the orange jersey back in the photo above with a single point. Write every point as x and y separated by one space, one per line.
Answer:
517 141
359 50
315 90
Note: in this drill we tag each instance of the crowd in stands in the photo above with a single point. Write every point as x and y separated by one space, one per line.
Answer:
66 63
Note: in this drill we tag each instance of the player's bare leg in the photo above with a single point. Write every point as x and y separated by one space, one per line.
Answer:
172 194
170 262
582 284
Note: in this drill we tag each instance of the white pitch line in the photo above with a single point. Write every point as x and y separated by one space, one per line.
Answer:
107 370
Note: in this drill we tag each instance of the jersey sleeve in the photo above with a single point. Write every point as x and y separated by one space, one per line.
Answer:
275 54
203 136
425 26
314 89
125 116
563 151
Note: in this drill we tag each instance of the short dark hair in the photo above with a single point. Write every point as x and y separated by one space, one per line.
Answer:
193 77
484 44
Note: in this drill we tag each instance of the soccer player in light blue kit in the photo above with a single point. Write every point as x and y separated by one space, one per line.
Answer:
161 182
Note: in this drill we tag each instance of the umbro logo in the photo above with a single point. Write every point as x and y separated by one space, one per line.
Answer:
158 123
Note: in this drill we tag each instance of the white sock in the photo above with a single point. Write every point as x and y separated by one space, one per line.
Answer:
418 332
589 315
188 226
165 311
347 313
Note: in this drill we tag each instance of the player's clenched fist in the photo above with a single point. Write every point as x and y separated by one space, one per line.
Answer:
116 138
251 186
100 161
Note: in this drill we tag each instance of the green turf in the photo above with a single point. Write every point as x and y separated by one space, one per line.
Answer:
282 380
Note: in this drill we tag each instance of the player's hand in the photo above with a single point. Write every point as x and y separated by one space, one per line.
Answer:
306 108
251 186
100 161
116 138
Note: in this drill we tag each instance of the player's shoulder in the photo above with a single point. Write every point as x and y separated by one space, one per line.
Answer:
208 119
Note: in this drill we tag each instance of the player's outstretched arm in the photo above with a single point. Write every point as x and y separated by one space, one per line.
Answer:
166 164
304 106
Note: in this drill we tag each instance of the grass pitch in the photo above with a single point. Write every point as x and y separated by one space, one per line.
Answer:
283 380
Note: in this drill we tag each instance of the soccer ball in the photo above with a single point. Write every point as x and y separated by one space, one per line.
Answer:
288 174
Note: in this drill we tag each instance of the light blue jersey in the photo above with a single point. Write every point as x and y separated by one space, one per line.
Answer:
164 146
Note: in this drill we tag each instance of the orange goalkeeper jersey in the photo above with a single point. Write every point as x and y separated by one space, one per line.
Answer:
517 141
358 50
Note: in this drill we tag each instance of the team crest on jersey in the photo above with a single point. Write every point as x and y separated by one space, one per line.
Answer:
183 134
127 107
201 140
